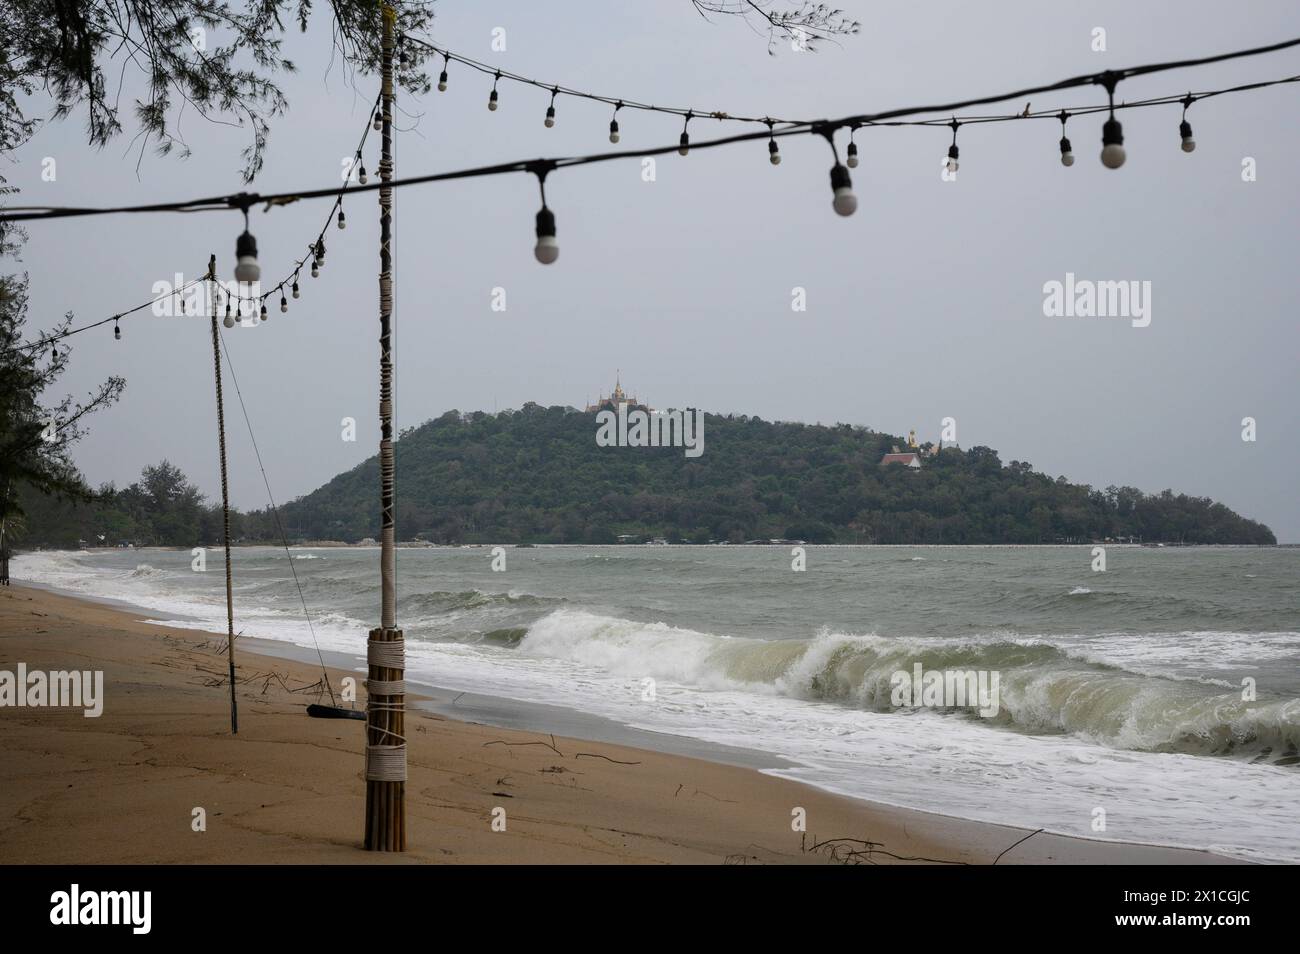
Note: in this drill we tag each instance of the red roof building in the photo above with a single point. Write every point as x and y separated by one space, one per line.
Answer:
908 460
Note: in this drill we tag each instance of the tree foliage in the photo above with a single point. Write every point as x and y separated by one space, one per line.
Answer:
36 433
218 58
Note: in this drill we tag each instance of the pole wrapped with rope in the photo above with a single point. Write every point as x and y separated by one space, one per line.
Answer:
225 492
385 655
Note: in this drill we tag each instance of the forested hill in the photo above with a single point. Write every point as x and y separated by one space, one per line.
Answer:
537 475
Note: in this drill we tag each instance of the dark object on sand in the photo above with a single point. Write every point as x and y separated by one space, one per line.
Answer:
335 712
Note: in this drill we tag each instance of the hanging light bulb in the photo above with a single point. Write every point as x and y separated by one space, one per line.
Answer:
378 124
1185 128
295 285
264 309
773 150
315 268
442 77
492 97
684 144
547 249
361 174
117 331
343 222
1112 144
951 165
1067 153
550 110
844 202
613 123
320 251
1112 133
229 320
246 267
284 304
852 160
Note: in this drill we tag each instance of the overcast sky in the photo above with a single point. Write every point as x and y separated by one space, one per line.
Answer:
927 303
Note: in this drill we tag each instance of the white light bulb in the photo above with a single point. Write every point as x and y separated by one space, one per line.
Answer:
1113 156
852 162
247 269
547 249
1067 158
1189 144
228 321
845 202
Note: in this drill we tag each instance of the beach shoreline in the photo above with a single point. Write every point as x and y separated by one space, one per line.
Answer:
124 787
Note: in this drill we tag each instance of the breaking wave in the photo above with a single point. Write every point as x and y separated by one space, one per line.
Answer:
1044 688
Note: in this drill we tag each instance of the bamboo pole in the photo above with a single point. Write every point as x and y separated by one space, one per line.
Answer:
225 492
385 720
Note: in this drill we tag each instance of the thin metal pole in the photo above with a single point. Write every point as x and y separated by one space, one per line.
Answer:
385 719
225 493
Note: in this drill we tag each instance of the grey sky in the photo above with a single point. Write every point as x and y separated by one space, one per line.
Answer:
927 303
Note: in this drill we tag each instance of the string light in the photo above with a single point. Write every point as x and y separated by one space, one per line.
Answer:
51 341
378 124
264 309
492 98
547 249
953 152
361 174
852 160
343 222
1185 128
1067 155
773 150
117 331
550 110
247 270
1112 132
613 123
558 90
843 201
229 320
284 304
684 144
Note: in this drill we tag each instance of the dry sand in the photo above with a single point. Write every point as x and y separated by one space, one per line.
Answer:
122 788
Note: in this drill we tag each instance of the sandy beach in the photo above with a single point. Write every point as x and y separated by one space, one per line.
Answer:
123 787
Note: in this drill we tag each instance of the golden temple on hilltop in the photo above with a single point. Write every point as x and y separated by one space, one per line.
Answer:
618 397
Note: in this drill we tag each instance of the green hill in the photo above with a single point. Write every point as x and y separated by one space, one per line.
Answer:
537 475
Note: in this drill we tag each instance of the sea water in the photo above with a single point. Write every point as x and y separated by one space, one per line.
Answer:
1125 695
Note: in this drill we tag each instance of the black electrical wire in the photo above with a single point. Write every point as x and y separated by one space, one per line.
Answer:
243 201
48 340
554 89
